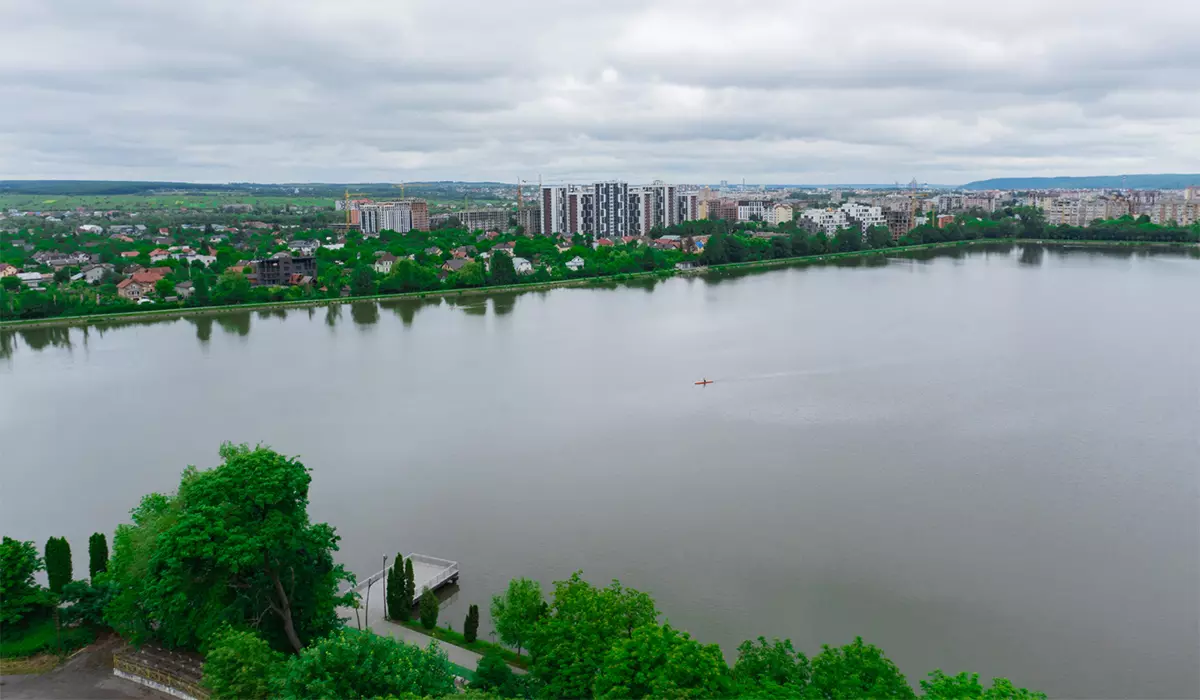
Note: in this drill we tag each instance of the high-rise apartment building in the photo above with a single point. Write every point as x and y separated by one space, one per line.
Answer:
401 216
612 209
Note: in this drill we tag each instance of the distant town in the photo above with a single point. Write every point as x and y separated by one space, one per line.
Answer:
170 249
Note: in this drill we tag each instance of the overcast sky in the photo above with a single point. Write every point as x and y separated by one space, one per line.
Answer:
789 91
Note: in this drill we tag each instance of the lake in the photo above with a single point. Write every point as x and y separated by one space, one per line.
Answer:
980 460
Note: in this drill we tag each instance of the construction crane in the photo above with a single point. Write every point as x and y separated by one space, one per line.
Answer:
401 186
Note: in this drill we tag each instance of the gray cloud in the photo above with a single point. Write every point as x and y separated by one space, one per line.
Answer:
696 91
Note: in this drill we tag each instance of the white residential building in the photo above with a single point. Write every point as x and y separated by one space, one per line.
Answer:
522 266
575 264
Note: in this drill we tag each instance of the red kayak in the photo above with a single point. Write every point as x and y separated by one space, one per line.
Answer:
703 382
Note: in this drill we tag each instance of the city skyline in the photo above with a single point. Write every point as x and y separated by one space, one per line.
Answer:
852 93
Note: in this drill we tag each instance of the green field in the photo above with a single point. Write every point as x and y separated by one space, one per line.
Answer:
139 202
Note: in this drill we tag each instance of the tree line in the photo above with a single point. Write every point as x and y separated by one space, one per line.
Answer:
231 566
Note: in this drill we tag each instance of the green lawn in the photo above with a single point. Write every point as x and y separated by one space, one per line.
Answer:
478 646
38 637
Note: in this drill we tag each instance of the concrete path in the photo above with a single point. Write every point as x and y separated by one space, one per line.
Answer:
88 674
376 623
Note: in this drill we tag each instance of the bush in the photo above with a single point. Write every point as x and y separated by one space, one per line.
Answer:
240 664
85 601
429 609
352 664
493 674
37 636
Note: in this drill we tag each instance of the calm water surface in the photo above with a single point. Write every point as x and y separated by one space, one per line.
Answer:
985 461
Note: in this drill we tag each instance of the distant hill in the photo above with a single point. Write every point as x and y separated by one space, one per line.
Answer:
1135 182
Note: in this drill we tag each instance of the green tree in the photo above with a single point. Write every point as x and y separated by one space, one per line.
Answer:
410 590
772 669
429 609
494 674
352 664
97 554
659 661
649 262
234 546
362 281
471 624
58 563
857 670
568 646
879 237
469 275
10 283
232 288
781 247
20 596
516 613
714 252
164 288
394 594
240 665
85 601
200 292
502 270
848 239
966 686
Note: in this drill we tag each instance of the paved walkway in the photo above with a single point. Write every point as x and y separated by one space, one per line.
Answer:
88 674
376 623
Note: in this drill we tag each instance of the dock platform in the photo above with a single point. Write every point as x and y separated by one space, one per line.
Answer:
429 573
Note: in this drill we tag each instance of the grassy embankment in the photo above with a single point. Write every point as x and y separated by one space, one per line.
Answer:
478 646
176 312
35 647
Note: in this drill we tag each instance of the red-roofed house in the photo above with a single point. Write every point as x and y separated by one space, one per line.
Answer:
139 285
158 255
603 241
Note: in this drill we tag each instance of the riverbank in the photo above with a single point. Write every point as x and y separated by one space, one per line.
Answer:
100 319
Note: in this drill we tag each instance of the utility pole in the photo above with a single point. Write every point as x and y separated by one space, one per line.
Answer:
385 596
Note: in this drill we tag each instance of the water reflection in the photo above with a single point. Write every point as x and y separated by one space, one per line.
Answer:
235 323
407 309
40 338
1032 255
364 313
204 325
6 345
333 312
503 304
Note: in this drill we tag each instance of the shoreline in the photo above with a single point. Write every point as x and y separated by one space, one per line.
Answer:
169 314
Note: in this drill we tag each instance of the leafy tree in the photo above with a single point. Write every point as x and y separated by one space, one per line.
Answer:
966 686
659 661
648 261
781 247
97 554
714 252
469 275
429 609
240 665
494 674
516 613
736 249
471 624
10 283
352 664
362 281
19 594
232 288
86 601
569 644
848 240
857 670
773 669
879 237
58 563
200 292
502 270
164 288
234 546
394 594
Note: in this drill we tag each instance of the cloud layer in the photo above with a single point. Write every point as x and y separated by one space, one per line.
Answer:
785 91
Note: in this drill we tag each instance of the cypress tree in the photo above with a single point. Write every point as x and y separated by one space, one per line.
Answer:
58 563
97 554
396 584
429 609
409 590
471 626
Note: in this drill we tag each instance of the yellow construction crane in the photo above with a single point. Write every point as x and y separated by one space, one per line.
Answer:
349 194
401 186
